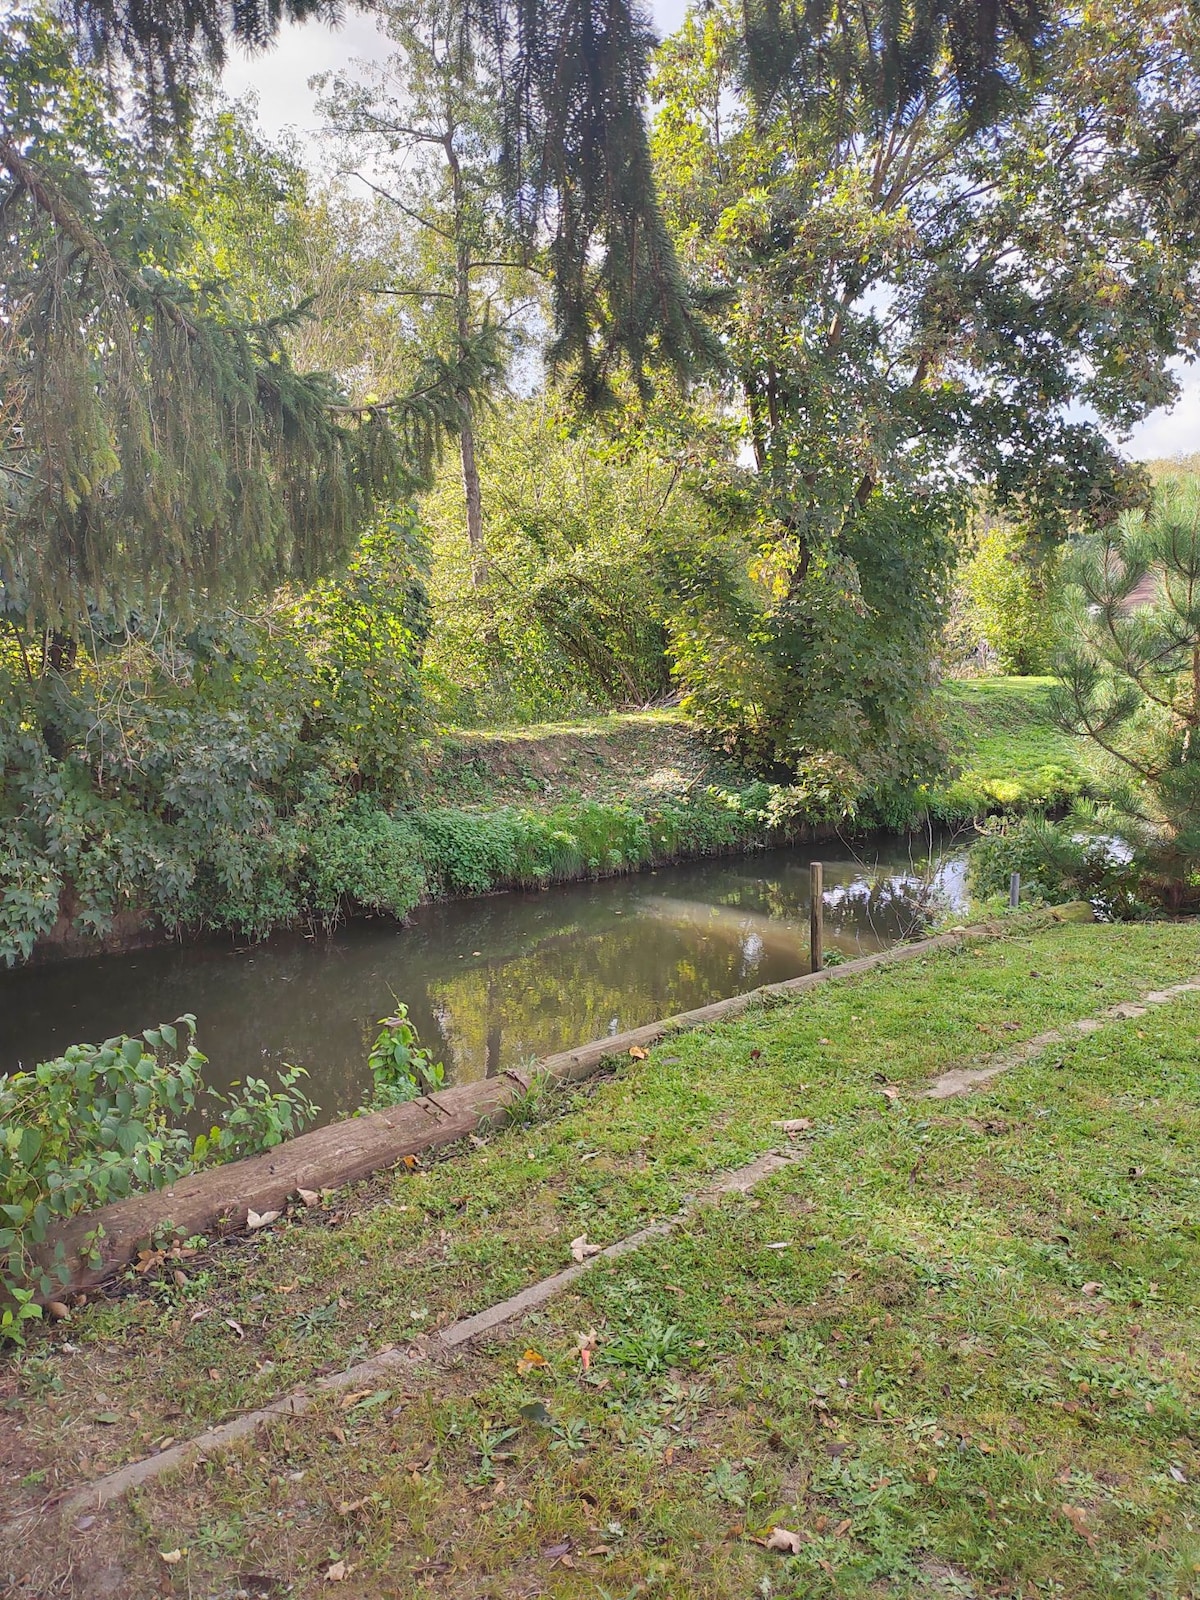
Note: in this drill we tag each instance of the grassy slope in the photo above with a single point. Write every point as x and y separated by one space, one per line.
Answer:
1004 752
635 756
971 1369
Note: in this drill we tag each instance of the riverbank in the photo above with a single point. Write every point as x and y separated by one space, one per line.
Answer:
524 807
951 1349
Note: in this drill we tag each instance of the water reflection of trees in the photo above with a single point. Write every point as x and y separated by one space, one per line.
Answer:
488 981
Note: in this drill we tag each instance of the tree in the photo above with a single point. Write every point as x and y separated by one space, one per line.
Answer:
159 447
915 287
1129 682
424 131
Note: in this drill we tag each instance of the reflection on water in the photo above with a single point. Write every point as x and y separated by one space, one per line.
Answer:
489 982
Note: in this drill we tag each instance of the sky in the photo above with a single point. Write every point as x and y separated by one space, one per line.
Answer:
279 78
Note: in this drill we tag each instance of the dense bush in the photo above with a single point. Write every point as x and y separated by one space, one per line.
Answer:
1016 598
569 611
104 1121
214 777
470 852
790 664
1056 860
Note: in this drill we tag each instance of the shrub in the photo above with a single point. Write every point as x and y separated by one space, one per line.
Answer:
104 1121
400 1065
1057 861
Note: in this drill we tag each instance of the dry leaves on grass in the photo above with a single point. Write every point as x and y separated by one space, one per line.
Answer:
260 1219
582 1248
794 1125
637 1053
784 1540
531 1361
1077 1517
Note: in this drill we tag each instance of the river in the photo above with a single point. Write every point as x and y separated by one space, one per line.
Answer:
492 982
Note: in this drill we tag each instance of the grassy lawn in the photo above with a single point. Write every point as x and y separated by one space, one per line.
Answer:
955 1351
1006 750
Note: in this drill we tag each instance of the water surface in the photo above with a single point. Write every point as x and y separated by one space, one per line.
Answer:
489 982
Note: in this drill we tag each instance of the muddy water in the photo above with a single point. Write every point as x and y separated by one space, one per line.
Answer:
489 982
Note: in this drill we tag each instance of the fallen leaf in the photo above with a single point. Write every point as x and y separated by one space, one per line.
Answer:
347 1506
335 1572
530 1360
411 1162
82 1524
599 1550
1179 1476
890 1092
108 1418
585 1343
581 1248
637 1053
353 1398
555 1552
1077 1517
535 1411
181 1279
232 1322
309 1197
260 1219
171 1557
785 1540
794 1125
1091 1289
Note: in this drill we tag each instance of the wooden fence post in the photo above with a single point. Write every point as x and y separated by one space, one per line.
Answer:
816 916
1014 890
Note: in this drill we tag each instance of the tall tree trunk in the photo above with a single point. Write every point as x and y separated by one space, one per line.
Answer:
462 314
470 476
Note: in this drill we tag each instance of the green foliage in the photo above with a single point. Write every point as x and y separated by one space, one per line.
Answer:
1056 861
216 778
156 442
104 1121
1016 593
828 666
401 1067
1129 682
469 852
571 610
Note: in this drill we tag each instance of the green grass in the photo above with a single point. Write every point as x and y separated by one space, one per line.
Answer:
1007 754
970 1368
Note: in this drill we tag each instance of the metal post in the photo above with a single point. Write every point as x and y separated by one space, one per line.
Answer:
1014 890
816 916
